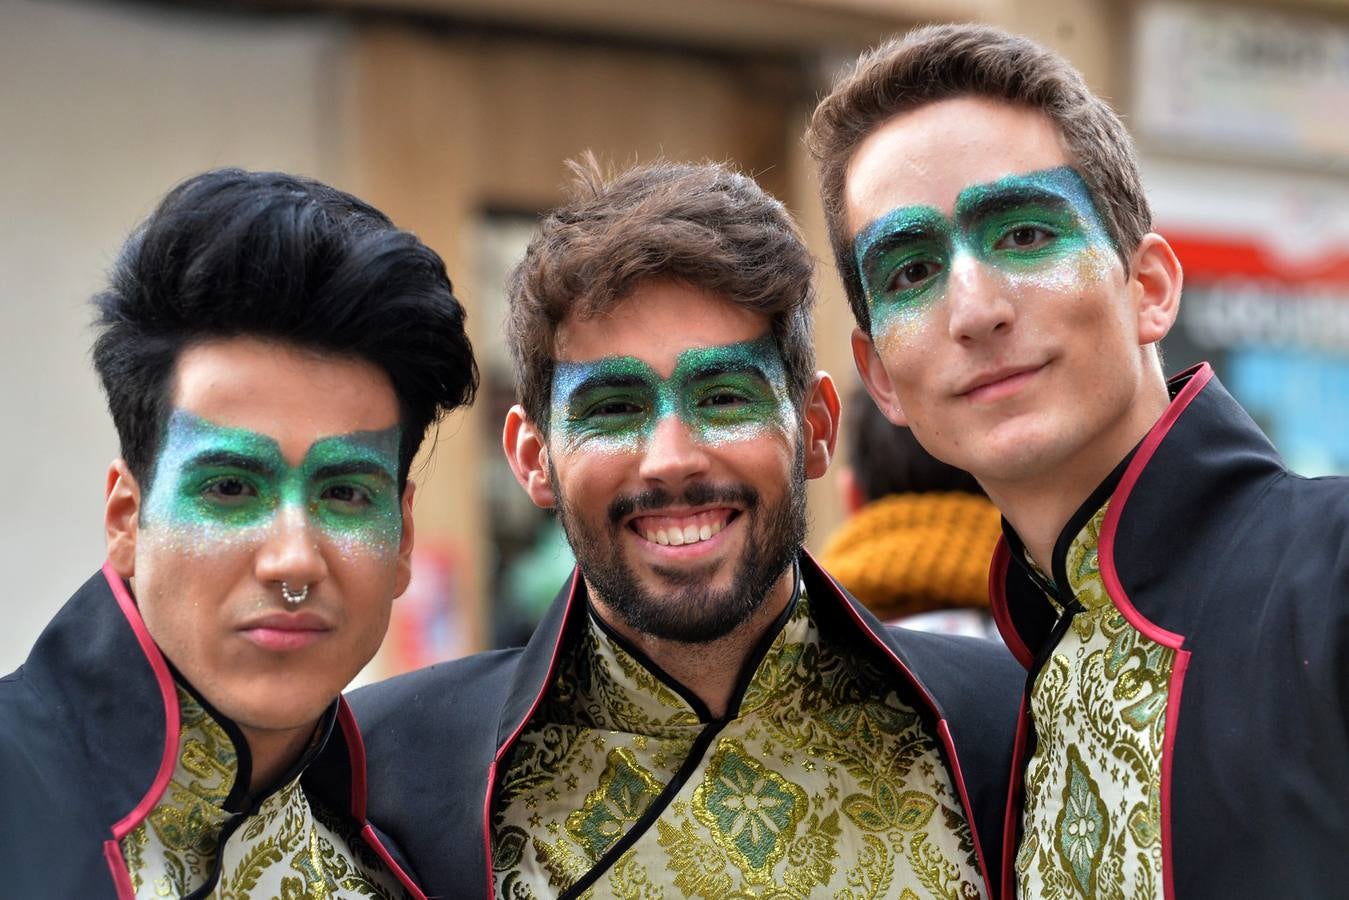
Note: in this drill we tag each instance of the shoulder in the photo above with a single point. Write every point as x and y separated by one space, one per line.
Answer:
462 690
947 657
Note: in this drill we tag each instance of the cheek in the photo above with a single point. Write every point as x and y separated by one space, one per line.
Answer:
199 540
1074 275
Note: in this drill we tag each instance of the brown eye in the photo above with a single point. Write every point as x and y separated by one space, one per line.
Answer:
912 275
347 494
1025 237
229 490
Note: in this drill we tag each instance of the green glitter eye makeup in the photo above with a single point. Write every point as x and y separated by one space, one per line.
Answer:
1026 227
722 394
218 484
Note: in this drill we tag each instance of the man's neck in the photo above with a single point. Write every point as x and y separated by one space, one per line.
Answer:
273 751
711 670
1038 509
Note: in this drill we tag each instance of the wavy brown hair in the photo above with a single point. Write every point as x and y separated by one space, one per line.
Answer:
704 225
940 62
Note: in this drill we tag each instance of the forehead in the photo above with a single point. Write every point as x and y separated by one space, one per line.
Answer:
289 394
655 324
927 156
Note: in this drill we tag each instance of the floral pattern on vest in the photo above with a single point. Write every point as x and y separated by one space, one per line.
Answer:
823 782
1091 822
287 848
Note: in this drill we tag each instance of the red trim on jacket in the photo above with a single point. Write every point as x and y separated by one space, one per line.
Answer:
112 850
1002 616
1105 555
1014 784
510 741
351 733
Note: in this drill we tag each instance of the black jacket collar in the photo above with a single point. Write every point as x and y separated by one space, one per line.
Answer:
1168 510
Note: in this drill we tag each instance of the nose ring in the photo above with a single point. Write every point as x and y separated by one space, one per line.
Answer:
294 598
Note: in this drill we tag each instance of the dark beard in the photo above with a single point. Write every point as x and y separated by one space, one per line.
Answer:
689 612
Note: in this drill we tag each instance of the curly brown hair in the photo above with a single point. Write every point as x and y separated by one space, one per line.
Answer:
705 225
940 62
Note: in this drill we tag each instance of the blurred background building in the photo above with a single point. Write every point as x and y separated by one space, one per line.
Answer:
455 116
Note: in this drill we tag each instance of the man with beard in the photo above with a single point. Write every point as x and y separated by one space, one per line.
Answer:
703 711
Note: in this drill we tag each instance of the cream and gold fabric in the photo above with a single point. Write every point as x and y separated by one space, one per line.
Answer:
1091 822
823 783
287 849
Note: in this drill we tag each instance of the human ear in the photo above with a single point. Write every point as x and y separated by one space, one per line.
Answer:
1155 279
527 452
820 415
403 573
121 517
875 379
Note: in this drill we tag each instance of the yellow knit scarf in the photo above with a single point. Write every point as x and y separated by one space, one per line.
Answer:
914 553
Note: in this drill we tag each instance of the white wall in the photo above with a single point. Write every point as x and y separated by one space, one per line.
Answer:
103 107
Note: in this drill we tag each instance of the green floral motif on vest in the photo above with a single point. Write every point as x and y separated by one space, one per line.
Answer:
1081 824
751 811
624 793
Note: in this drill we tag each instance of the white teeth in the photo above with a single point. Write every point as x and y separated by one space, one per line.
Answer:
677 537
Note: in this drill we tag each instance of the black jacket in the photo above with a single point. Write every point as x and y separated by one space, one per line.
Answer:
89 740
1210 546
435 737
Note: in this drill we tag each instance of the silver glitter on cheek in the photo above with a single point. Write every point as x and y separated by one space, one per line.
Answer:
202 540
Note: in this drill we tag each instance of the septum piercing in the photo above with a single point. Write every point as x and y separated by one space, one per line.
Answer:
294 598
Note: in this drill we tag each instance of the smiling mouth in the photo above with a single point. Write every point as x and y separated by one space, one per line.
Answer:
677 531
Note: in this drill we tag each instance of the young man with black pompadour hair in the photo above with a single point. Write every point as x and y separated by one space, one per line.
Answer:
273 350
1179 598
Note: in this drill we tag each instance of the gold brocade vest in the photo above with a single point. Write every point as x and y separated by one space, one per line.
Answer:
288 848
820 782
1091 822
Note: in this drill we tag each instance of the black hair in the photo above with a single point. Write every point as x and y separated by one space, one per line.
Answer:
887 458
231 253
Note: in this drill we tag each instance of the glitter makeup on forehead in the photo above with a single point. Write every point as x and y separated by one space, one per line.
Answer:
1035 230
218 485
722 394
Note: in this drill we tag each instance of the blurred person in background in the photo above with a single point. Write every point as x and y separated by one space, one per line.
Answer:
702 711
1179 598
919 534
273 351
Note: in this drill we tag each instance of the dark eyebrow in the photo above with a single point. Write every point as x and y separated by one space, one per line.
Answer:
602 380
352 467
716 368
907 234
999 200
228 459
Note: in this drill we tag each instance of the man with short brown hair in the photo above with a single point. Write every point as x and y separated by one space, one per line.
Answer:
703 711
1176 594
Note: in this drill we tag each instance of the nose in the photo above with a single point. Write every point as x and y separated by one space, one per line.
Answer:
979 301
673 453
291 554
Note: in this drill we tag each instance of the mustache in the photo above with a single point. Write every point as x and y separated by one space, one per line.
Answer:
699 494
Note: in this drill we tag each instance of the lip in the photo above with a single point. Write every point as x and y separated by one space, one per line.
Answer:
996 384
676 552
285 631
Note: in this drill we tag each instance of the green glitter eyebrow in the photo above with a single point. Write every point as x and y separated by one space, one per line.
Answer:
1056 199
615 402
198 456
